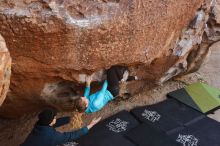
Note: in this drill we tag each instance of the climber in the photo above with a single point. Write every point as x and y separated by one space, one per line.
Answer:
110 90
44 133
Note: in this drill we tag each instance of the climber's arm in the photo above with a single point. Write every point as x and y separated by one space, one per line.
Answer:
87 89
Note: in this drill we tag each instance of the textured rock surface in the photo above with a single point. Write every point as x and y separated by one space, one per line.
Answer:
5 70
55 43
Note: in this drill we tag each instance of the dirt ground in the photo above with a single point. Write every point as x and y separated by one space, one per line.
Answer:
13 132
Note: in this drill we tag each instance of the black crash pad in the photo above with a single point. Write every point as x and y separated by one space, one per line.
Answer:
168 115
147 135
117 124
115 140
205 132
182 96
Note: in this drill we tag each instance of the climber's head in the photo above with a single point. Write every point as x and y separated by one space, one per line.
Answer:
47 117
82 104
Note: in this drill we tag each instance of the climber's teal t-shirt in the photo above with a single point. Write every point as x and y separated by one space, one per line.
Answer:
99 99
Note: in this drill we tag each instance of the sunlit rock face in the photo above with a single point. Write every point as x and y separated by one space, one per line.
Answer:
5 70
54 44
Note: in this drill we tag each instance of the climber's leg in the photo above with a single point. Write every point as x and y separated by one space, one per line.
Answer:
114 75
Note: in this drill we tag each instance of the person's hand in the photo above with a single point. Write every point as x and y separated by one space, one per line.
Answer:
88 80
94 122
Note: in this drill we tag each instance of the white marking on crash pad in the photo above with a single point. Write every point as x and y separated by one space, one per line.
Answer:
152 116
117 125
187 140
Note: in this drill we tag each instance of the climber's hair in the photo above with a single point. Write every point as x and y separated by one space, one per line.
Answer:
80 105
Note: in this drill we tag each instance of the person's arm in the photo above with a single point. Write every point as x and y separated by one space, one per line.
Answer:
76 134
104 86
62 121
101 93
62 138
87 89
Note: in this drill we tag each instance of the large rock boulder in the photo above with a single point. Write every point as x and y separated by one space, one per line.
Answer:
55 43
